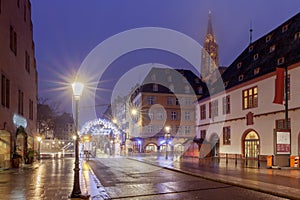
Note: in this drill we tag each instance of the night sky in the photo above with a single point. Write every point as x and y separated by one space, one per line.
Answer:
65 31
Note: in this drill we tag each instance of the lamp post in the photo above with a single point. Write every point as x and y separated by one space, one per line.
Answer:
77 91
39 139
167 137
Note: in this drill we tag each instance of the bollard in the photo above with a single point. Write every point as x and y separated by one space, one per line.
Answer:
226 158
235 159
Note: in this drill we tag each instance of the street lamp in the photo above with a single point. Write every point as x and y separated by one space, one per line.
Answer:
39 139
167 137
77 91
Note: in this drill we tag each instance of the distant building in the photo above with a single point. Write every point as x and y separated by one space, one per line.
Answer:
245 111
166 98
64 127
209 55
18 80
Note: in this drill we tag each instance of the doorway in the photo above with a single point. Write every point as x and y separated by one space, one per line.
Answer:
251 145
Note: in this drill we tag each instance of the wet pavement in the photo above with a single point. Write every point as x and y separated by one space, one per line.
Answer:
129 178
150 177
47 179
284 182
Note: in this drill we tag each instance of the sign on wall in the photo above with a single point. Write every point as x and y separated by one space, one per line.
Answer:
283 142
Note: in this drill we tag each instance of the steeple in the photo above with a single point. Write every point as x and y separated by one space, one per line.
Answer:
210 58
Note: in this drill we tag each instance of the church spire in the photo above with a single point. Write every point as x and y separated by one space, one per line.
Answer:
210 57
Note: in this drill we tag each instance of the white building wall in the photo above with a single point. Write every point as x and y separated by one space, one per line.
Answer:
264 119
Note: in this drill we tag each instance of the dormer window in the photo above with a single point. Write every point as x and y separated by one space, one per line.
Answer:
200 90
297 36
280 61
155 88
285 28
226 83
186 89
268 38
255 57
251 48
153 77
241 77
272 48
239 65
256 70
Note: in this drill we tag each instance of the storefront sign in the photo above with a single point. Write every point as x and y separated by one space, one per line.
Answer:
283 143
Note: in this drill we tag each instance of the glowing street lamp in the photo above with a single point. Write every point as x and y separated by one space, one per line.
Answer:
77 91
167 137
39 139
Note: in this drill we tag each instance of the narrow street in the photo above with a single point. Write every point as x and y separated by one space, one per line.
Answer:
125 178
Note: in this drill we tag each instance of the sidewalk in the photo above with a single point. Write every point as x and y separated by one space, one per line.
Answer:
283 182
48 179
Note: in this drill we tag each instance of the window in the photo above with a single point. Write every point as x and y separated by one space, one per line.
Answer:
268 38
186 89
256 71
155 88
0 6
187 130
203 111
187 101
272 48
213 109
18 3
27 62
226 135
296 36
200 90
160 115
202 134
226 105
187 115
171 87
177 102
20 102
280 61
250 48
250 98
285 28
239 65
241 77
170 100
255 57
30 109
13 40
5 91
25 12
150 100
280 124
173 115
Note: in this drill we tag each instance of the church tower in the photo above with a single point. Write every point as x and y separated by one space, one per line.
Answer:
209 59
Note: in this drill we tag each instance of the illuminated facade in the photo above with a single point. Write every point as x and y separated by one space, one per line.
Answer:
18 80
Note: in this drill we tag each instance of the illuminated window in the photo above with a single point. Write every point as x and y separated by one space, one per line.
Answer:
272 48
239 65
226 105
250 48
226 135
203 111
213 109
280 61
173 115
241 77
297 36
250 98
256 70
187 115
202 134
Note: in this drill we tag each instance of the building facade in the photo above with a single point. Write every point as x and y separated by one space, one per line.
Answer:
18 80
165 99
242 119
